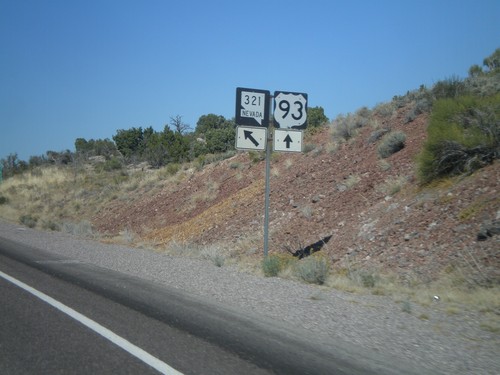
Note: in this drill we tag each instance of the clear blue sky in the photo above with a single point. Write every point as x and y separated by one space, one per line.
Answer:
71 69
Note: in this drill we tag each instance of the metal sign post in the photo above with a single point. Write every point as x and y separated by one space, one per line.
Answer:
268 192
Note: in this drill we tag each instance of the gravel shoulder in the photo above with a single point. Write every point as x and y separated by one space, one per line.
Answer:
442 343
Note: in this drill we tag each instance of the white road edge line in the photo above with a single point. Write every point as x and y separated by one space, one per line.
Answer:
96 327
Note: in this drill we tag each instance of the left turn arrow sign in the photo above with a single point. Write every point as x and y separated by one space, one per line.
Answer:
251 138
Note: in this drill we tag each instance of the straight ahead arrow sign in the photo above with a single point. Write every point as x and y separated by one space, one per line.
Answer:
248 135
288 140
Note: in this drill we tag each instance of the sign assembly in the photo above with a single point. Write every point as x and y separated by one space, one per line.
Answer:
252 120
252 107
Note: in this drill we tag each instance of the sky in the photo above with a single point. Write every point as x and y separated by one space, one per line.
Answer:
87 68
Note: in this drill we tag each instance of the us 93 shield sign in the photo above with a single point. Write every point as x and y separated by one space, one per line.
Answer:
290 110
252 107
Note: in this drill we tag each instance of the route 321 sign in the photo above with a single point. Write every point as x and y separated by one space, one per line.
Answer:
252 107
290 110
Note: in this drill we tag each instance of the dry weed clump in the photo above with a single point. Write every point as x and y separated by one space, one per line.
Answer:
313 270
215 254
391 143
392 185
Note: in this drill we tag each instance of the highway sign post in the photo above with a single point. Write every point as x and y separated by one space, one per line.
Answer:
253 119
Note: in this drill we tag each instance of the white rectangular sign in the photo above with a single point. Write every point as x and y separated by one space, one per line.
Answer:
287 140
251 138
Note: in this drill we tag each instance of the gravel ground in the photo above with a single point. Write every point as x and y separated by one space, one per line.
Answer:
442 344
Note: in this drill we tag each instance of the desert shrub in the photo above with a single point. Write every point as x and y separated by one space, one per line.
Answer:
313 269
28 220
367 280
463 135
308 147
172 168
82 229
273 264
399 101
112 164
452 87
50 225
344 127
206 159
391 185
364 112
377 134
256 156
385 110
423 105
391 143
3 200
352 181
364 278
483 85
214 254
235 165
199 162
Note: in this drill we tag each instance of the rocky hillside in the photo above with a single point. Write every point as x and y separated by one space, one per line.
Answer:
378 216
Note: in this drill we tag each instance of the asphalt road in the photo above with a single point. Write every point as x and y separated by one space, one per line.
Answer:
192 336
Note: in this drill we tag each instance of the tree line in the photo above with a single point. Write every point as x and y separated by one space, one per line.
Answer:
176 143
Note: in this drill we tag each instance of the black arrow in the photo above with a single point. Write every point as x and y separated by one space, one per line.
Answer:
288 140
248 135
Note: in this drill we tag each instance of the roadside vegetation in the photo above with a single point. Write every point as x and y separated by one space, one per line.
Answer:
62 191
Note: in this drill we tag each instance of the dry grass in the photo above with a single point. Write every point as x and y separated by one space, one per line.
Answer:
392 185
66 199
352 181
39 194
55 196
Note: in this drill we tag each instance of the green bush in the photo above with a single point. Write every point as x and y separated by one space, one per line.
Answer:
256 156
273 264
3 200
452 87
316 117
28 220
313 270
50 225
81 229
463 135
368 280
391 143
172 168
112 164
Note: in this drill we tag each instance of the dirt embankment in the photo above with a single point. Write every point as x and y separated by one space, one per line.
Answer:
376 213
